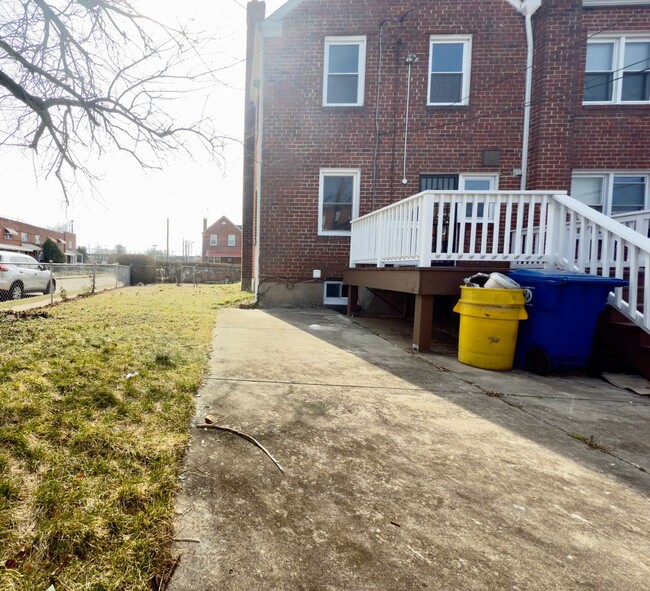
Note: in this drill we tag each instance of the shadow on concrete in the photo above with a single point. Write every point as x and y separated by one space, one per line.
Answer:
587 419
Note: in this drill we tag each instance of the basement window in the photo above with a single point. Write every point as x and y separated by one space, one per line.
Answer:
335 293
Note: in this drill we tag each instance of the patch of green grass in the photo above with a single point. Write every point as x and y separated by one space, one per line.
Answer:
95 404
589 441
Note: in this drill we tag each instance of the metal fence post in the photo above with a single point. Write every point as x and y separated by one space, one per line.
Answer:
194 275
51 288
94 278
117 277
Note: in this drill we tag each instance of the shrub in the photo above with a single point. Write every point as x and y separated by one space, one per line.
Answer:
52 252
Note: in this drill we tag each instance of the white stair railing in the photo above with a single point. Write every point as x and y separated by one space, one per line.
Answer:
597 244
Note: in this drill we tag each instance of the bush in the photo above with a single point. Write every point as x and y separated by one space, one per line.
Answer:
143 267
52 252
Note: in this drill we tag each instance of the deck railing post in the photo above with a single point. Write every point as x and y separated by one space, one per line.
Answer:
426 231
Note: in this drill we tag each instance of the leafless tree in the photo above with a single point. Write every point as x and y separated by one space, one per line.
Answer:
79 78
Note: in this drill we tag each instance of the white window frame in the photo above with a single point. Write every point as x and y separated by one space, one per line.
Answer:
24 237
359 40
213 240
466 41
232 240
608 185
614 2
37 239
356 187
494 186
337 301
618 60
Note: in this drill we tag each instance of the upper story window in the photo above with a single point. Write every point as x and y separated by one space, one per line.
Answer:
450 58
23 236
231 240
37 239
618 70
344 77
213 239
612 193
338 200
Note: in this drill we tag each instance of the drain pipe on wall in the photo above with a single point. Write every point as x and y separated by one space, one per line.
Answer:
410 60
528 8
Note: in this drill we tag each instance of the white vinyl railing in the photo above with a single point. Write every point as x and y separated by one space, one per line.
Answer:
636 220
523 228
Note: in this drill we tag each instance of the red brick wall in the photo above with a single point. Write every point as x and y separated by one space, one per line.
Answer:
301 136
612 136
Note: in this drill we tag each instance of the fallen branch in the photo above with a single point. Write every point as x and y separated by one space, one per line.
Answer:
243 436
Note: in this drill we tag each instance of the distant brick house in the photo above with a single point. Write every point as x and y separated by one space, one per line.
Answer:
356 104
29 239
222 242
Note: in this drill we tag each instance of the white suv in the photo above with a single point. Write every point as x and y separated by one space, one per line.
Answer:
21 274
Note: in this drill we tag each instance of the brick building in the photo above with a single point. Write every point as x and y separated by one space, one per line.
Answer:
29 239
353 105
222 242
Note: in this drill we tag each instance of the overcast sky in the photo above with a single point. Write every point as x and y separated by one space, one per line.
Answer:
130 206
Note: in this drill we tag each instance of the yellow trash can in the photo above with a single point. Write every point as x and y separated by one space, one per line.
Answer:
489 320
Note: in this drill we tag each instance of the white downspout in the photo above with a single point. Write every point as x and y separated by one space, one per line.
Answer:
527 9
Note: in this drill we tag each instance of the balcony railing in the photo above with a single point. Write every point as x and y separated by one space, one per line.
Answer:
636 220
532 228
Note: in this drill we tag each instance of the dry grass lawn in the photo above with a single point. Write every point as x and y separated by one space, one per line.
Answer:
95 399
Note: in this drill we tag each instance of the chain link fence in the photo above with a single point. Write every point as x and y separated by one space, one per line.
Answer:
72 279
193 273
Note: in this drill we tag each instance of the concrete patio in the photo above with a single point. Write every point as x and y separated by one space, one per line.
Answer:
405 471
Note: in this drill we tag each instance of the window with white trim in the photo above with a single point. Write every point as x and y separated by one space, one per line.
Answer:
335 293
344 76
450 58
338 200
23 236
618 69
37 239
231 240
464 182
213 239
612 193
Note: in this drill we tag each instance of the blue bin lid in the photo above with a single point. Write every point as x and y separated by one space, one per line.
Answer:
555 276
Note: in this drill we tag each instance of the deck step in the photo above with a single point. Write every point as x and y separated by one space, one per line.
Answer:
625 339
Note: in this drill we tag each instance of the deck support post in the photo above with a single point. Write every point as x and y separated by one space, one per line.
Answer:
353 299
422 322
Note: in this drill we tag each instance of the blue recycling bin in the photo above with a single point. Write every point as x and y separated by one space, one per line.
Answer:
562 316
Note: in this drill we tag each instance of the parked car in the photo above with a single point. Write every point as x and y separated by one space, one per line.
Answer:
21 274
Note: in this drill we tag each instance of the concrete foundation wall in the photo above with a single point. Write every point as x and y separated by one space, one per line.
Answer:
287 295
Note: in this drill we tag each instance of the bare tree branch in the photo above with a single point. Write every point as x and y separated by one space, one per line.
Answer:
79 76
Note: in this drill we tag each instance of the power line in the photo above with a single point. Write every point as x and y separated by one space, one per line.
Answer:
533 102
